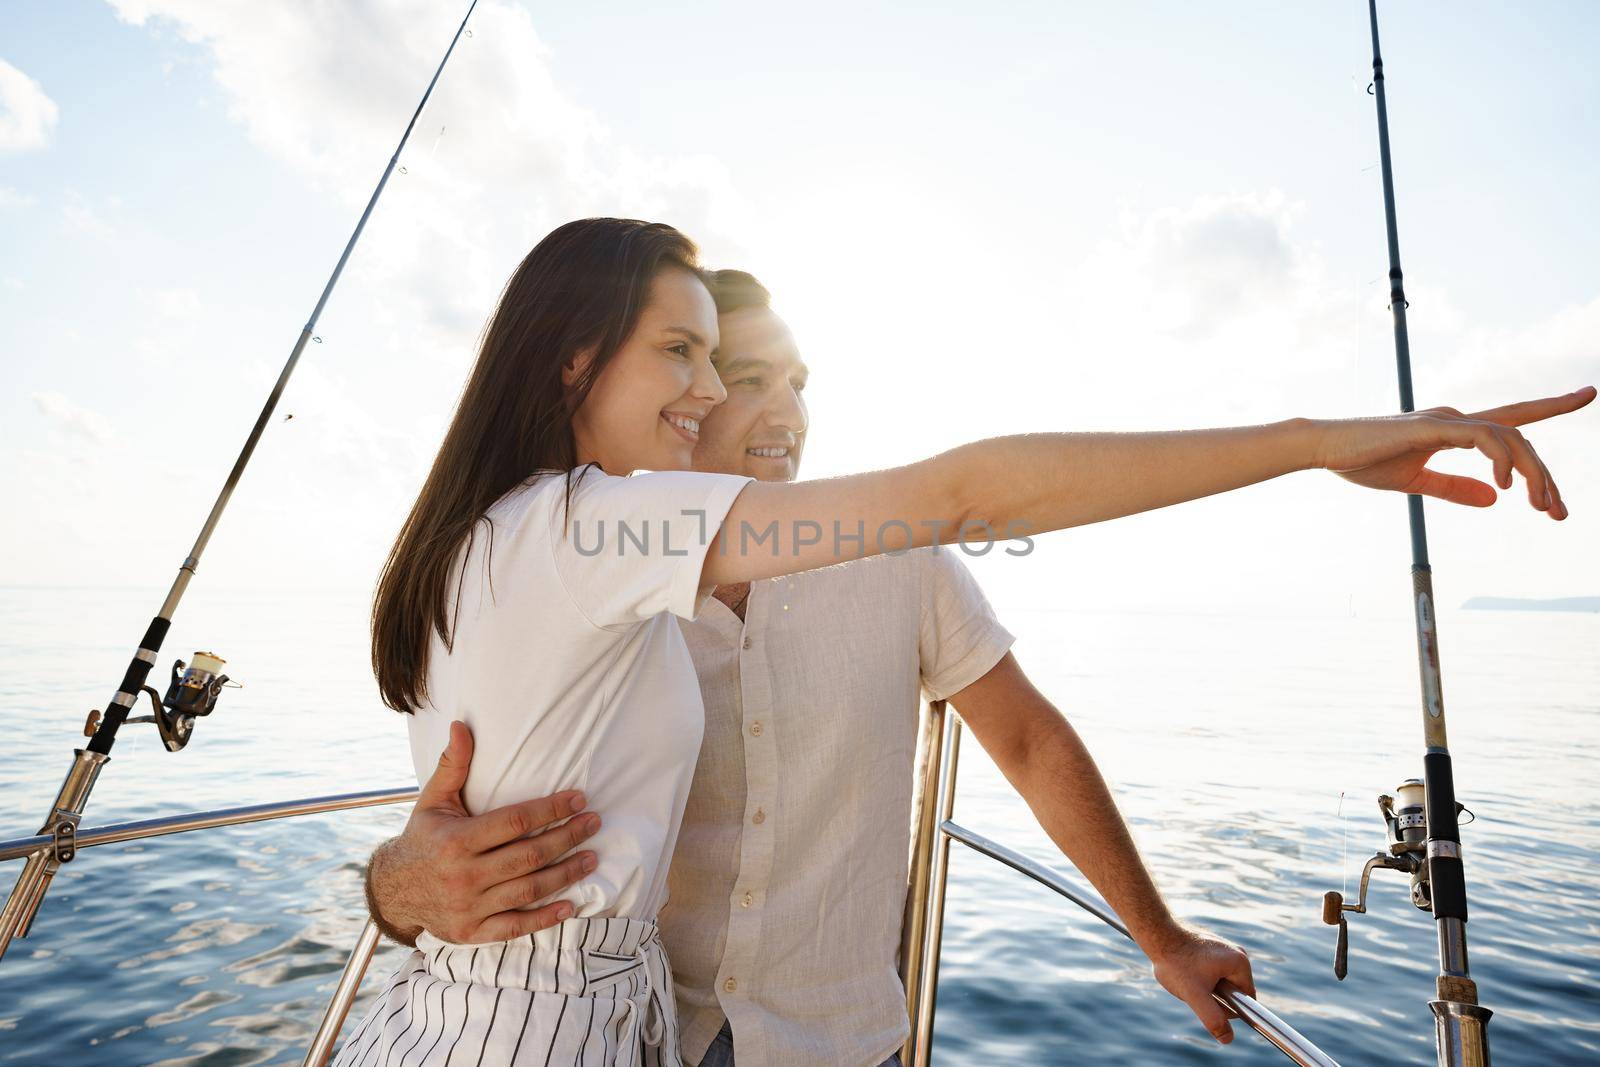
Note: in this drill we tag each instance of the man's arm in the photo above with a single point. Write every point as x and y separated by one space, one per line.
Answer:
1042 756
464 878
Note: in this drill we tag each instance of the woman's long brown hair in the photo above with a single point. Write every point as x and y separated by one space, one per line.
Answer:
581 288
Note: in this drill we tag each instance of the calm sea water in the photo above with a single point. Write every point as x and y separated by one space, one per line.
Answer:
1246 751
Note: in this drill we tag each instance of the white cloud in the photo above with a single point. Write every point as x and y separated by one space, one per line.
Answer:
181 305
1216 305
1554 354
10 198
74 418
1199 267
84 217
1223 305
27 115
500 156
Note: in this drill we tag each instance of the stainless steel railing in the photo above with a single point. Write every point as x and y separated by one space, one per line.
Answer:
36 848
924 920
941 748
26 847
344 995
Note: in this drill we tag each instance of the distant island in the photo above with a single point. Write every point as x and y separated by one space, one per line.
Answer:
1511 603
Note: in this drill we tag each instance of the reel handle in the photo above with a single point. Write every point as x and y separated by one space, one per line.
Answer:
1333 915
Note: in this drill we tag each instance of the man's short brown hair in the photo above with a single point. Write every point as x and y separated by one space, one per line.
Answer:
735 290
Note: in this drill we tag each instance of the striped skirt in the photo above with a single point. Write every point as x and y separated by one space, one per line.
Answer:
585 991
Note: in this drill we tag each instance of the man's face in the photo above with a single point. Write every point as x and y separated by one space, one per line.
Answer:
760 429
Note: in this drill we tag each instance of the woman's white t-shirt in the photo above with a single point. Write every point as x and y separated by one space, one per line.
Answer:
568 666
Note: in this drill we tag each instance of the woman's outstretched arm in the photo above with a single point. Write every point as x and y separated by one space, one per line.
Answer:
1007 487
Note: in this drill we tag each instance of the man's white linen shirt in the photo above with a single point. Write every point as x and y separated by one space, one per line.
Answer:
788 885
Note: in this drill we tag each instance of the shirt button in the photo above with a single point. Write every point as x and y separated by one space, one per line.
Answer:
759 817
755 729
730 985
748 642
749 899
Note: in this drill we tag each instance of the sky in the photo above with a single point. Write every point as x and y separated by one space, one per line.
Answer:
1047 216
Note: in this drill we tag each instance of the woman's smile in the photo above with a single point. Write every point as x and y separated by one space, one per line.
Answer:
687 426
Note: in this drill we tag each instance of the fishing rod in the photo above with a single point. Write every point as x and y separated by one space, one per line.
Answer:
1424 834
194 686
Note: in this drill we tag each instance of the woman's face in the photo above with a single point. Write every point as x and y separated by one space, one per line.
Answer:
644 410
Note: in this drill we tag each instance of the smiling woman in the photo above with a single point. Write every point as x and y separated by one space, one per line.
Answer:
608 310
596 364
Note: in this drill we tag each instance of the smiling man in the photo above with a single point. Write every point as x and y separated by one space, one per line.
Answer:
788 883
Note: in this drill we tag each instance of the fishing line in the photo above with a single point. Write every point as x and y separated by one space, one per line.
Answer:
1344 844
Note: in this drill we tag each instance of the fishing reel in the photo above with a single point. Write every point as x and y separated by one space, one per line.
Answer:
192 692
1405 817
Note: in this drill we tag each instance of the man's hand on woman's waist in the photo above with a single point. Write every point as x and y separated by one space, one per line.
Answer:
463 877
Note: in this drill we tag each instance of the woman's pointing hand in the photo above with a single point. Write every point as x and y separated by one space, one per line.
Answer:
1392 451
